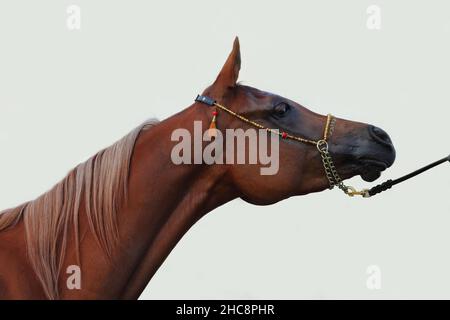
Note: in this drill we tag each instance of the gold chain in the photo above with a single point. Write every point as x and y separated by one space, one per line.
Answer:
332 175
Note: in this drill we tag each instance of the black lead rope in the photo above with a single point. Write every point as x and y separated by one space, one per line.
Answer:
390 183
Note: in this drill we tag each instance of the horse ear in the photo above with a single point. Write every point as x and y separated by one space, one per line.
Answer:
230 71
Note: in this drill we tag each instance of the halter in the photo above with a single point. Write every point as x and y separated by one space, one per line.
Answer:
322 146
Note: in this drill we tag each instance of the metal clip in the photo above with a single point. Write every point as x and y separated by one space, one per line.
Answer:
322 146
351 192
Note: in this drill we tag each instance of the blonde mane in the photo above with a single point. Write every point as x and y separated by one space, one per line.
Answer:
100 185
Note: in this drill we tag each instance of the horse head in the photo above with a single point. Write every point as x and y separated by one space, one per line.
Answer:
356 148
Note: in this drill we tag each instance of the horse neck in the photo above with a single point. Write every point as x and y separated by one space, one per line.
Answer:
165 200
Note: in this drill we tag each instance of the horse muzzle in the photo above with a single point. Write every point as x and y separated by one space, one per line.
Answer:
377 155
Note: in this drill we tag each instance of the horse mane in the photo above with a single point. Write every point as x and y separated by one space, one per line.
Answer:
100 185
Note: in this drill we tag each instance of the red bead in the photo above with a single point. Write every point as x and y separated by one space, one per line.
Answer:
215 113
284 135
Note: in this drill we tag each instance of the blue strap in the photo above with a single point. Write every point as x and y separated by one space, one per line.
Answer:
206 100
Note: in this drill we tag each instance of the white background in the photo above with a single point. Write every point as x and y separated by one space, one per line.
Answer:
66 94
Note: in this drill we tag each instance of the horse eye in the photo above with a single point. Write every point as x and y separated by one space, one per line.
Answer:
281 109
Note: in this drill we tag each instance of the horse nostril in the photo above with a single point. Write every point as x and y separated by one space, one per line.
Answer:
379 135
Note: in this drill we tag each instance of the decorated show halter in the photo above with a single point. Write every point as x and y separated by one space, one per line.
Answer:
322 146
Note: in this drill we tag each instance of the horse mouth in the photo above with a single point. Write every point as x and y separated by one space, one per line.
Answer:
371 169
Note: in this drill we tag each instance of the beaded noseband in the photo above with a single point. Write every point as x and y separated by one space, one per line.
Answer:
322 146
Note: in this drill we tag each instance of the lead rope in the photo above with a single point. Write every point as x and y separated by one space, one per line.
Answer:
322 146
390 183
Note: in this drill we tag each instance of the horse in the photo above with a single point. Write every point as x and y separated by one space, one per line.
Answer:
114 218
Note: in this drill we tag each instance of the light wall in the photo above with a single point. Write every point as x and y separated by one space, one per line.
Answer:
66 94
